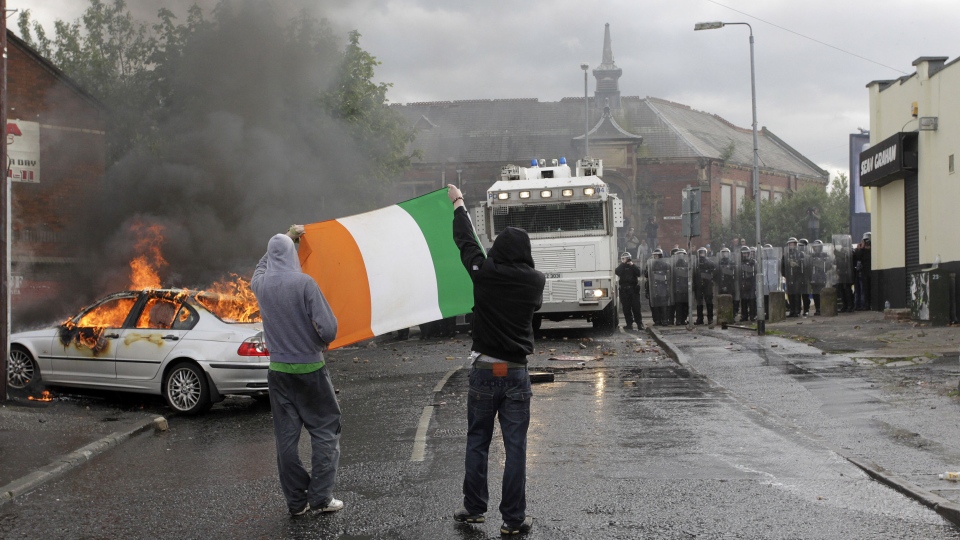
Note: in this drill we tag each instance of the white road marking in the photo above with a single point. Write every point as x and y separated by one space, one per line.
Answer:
420 439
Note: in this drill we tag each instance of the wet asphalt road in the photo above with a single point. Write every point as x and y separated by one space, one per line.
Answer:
632 446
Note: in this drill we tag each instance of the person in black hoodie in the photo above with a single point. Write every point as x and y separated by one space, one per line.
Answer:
507 290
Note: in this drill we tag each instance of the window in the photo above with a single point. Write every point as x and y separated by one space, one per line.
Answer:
741 195
726 200
162 313
556 217
109 314
777 196
764 194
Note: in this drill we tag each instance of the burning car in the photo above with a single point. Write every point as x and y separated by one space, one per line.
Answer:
191 347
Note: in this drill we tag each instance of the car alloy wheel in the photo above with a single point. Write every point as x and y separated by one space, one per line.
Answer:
21 369
186 389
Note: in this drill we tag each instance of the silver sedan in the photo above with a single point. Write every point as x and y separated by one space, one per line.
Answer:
184 345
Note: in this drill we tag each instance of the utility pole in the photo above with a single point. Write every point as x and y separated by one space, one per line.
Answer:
4 212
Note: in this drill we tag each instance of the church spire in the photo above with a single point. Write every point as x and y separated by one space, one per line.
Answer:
607 91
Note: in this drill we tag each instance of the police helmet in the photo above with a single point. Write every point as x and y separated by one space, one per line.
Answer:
674 250
791 240
767 246
744 249
681 251
657 253
625 256
702 251
725 253
803 241
866 237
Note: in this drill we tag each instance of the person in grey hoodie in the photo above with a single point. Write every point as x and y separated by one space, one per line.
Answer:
298 325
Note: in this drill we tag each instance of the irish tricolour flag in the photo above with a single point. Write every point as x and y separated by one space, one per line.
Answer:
390 268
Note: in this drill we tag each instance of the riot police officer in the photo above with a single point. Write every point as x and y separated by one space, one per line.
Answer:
629 287
705 274
821 266
804 246
843 261
747 282
792 270
681 284
727 276
659 290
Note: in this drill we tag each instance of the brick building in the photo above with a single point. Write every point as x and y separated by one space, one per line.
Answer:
56 138
651 150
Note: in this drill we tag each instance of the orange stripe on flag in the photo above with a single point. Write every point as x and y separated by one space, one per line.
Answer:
329 254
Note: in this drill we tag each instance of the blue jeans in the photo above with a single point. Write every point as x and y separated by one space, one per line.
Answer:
509 398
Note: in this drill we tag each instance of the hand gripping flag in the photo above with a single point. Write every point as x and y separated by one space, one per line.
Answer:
388 269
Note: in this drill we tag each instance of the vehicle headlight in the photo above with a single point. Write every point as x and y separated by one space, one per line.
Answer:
503 195
524 194
589 191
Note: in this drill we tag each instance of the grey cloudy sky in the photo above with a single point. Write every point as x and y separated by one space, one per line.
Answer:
809 94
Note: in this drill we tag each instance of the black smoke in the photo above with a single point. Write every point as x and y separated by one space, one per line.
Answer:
242 149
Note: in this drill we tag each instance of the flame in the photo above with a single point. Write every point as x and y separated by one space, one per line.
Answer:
232 300
44 396
144 269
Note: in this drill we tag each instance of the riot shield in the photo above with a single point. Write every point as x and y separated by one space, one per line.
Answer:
843 257
660 281
770 259
794 269
705 279
681 277
746 277
820 264
727 275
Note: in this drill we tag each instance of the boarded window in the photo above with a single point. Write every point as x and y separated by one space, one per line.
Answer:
741 194
726 202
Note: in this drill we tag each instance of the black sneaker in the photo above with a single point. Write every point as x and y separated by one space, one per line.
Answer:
640 326
462 516
522 528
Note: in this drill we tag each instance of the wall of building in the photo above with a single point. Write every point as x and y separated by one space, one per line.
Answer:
938 189
72 155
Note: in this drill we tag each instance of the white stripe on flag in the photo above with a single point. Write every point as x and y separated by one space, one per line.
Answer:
400 272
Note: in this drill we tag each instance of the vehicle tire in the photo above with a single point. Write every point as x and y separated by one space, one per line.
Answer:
22 369
606 320
185 389
537 322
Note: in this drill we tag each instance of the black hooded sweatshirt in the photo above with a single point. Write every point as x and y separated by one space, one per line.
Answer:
506 290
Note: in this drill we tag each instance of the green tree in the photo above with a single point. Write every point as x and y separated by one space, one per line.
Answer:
788 217
363 106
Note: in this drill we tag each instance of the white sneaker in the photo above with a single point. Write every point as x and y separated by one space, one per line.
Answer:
335 505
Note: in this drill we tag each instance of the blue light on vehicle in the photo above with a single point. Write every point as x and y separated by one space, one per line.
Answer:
563 161
533 162
588 284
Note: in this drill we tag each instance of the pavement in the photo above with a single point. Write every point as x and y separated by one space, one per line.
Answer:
41 441
910 357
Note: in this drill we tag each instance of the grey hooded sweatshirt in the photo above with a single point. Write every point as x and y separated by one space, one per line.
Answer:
298 323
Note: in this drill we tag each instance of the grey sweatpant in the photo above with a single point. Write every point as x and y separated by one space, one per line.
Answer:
299 401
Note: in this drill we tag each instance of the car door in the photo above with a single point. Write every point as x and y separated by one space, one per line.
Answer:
163 321
85 349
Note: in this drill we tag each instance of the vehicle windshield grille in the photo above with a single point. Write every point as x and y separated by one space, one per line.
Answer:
546 218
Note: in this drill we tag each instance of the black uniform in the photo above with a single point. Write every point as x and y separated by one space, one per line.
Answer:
792 270
706 274
748 287
629 287
819 266
681 294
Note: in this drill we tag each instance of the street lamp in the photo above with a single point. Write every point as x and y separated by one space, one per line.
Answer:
761 327
586 113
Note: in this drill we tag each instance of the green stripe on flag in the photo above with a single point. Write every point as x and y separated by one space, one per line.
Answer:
434 215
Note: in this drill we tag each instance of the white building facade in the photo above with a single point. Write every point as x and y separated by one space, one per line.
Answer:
910 175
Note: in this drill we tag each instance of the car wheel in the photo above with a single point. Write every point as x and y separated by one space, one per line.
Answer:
22 370
185 389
